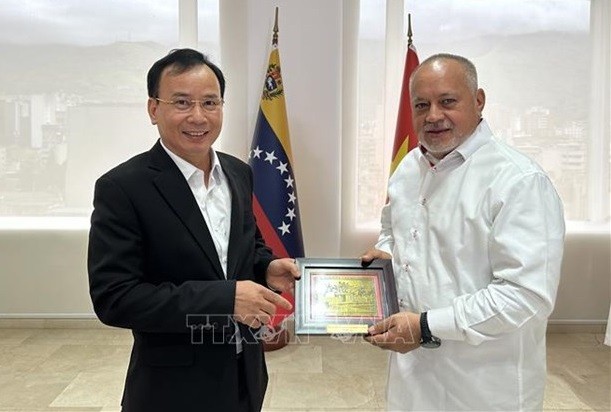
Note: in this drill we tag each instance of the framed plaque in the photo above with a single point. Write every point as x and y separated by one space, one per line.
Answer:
340 296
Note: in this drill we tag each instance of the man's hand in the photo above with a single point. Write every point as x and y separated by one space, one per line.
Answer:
371 254
255 304
281 275
399 332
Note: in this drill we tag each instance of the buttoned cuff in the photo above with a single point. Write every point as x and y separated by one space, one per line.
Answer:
384 246
442 324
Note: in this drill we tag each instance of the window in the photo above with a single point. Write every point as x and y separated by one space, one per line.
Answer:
534 61
208 29
73 94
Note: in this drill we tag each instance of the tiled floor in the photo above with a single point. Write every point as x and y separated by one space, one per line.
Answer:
82 369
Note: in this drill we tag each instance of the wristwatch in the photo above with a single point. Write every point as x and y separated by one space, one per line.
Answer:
427 340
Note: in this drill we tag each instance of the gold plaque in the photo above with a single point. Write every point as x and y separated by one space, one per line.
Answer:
340 296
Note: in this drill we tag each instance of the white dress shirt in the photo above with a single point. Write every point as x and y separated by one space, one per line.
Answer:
477 241
214 201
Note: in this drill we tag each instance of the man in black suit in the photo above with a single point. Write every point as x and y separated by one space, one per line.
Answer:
175 255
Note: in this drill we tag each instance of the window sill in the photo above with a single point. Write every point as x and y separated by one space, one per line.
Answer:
44 223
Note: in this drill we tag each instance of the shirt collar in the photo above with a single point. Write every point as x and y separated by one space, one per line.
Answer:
188 170
480 137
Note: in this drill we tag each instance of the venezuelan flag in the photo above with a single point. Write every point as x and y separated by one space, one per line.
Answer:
275 191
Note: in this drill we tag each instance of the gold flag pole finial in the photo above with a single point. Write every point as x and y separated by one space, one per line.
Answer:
409 29
275 37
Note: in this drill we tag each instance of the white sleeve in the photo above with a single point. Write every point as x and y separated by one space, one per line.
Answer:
525 245
386 241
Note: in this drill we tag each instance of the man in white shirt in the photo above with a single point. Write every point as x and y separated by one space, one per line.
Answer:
475 230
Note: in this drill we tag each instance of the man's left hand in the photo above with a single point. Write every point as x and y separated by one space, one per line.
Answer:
281 274
399 332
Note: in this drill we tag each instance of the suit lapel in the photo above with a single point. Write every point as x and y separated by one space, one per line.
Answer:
237 219
175 190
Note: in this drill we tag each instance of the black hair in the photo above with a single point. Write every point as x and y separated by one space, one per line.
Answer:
180 60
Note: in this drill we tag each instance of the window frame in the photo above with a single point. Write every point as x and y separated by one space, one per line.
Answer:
598 166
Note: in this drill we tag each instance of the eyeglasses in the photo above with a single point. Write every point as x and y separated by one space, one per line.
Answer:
186 105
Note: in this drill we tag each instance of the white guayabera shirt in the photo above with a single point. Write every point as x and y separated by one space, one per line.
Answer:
477 241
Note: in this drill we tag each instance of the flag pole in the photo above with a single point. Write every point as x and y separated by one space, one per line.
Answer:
409 29
275 190
275 36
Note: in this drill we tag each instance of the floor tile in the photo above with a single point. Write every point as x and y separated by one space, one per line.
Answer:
15 336
81 336
572 361
296 358
560 397
31 391
322 391
93 389
17 323
592 390
83 370
359 356
24 358
87 358
574 340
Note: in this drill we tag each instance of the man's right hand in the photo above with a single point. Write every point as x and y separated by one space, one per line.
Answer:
371 254
255 304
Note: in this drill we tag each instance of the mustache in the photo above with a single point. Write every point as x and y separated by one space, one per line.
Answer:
435 127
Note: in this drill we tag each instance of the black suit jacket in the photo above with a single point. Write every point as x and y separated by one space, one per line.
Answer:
153 268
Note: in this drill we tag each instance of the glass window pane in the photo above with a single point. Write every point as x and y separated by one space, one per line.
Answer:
372 166
208 28
533 60
73 96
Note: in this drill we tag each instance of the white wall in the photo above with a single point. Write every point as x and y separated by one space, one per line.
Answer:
585 286
310 58
43 272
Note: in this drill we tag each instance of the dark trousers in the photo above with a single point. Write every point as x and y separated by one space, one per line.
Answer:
242 386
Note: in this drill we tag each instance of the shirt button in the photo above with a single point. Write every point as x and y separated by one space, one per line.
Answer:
423 201
415 234
406 267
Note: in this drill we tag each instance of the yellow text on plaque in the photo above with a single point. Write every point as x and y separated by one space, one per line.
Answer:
347 328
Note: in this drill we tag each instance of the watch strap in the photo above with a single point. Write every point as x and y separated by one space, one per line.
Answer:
427 339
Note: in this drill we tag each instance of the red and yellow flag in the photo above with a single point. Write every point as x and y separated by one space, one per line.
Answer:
405 137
